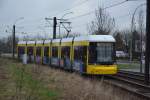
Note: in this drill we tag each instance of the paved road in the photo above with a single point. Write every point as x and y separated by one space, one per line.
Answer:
127 62
137 69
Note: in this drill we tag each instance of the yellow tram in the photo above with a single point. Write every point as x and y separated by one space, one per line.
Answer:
92 54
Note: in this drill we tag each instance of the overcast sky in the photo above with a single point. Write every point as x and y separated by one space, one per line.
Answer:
34 12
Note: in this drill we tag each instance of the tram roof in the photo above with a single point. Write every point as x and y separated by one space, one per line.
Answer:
47 41
67 40
96 38
22 42
30 42
56 41
39 42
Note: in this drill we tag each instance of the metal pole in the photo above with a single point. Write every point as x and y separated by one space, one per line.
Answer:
131 43
147 44
59 29
13 42
14 38
132 30
141 56
54 27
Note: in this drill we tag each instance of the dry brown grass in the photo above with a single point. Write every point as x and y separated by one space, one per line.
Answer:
76 87
72 86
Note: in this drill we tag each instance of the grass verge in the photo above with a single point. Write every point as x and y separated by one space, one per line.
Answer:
26 83
128 66
38 82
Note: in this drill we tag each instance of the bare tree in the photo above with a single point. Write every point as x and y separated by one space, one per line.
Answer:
6 44
75 34
119 41
103 23
126 35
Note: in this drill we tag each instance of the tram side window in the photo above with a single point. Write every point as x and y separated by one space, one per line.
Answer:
80 53
65 52
38 51
30 50
46 51
54 51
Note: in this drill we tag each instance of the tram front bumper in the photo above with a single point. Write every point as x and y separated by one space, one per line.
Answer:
101 69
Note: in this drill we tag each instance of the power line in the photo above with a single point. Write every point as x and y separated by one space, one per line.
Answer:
78 26
118 17
123 16
79 4
136 0
113 5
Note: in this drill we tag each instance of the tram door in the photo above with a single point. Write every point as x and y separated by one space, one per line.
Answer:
55 59
80 58
46 55
21 52
30 54
65 58
39 55
84 58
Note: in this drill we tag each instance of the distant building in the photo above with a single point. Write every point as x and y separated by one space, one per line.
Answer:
121 54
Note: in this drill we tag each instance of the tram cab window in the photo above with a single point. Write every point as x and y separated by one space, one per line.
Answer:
38 51
65 52
46 51
80 53
101 53
54 51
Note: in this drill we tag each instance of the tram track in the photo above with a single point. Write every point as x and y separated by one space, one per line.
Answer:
136 76
130 81
125 84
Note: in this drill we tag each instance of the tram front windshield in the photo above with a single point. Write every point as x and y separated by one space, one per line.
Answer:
101 53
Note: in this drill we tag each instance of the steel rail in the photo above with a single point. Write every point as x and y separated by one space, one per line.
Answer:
133 80
137 76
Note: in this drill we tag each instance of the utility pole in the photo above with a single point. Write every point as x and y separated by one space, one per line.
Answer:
54 27
55 24
14 38
13 42
147 55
